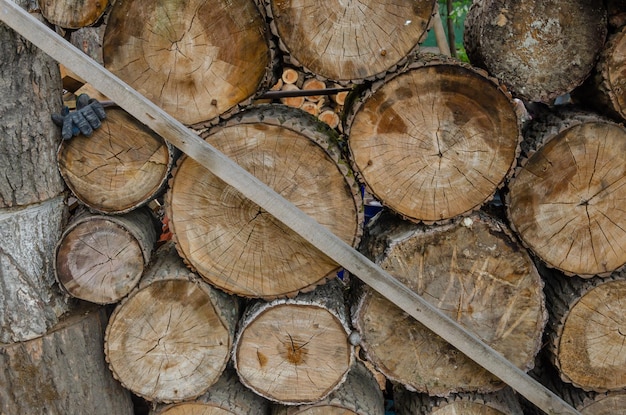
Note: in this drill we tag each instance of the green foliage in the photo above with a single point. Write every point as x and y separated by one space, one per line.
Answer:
457 16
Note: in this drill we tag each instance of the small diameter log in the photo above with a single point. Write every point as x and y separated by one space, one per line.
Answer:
295 351
313 84
101 258
565 202
122 166
195 59
62 372
170 339
290 76
586 330
227 396
329 117
295 102
503 402
434 141
358 395
474 271
539 49
348 41
237 246
72 14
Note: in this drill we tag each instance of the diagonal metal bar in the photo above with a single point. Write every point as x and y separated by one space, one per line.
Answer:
255 190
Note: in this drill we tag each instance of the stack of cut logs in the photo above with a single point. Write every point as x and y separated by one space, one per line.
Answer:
501 183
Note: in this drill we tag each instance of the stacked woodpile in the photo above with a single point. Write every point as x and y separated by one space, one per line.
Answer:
502 207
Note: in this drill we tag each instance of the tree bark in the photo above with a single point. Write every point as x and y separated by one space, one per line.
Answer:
195 59
474 271
62 372
101 258
565 200
539 49
122 166
434 141
237 246
295 351
73 14
170 339
348 42
358 395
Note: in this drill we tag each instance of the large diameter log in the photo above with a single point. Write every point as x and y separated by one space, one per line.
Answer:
170 339
295 351
232 242
586 330
349 41
502 402
474 271
101 258
72 14
358 395
435 141
195 59
227 396
62 372
565 201
122 166
539 49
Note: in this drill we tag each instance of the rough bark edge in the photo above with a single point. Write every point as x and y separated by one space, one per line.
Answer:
220 302
288 59
95 18
358 96
315 130
548 124
320 297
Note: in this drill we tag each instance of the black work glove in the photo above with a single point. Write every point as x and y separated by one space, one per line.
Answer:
84 120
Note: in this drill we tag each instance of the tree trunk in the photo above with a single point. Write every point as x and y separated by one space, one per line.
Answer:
195 59
358 395
122 166
73 14
348 41
586 330
538 49
474 271
240 248
170 339
101 258
295 351
503 402
62 372
225 397
434 141
565 201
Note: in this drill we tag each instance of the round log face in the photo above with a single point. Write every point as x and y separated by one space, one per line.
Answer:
120 167
614 404
237 246
170 333
615 67
305 359
195 59
325 410
466 408
72 14
191 408
590 351
539 49
566 202
345 40
435 142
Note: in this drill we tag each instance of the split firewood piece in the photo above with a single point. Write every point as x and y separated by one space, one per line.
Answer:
195 59
63 370
538 50
502 402
605 89
565 202
434 141
101 258
72 14
475 272
586 330
237 246
170 339
295 351
348 41
227 396
358 395
121 166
